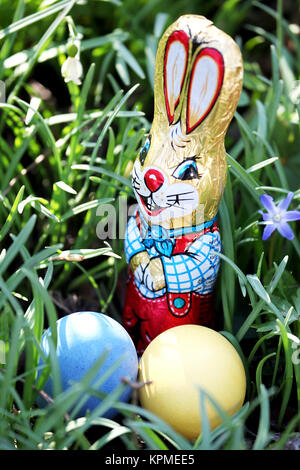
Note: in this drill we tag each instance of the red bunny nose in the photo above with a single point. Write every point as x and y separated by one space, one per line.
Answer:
154 180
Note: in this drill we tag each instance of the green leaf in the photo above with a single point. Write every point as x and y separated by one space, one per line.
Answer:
262 164
85 206
95 169
239 350
46 129
12 215
28 20
157 424
19 241
262 120
260 368
80 255
33 107
159 24
28 200
266 326
288 382
68 5
122 70
129 58
248 181
110 436
263 436
80 114
11 365
65 187
21 57
258 287
279 270
244 126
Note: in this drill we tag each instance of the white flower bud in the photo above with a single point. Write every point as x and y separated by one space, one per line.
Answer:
72 70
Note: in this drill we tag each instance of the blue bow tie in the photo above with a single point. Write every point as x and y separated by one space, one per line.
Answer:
163 239
158 237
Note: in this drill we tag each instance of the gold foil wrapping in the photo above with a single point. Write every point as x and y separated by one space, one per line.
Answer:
206 141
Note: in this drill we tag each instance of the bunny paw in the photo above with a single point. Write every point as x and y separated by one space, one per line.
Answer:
139 273
148 279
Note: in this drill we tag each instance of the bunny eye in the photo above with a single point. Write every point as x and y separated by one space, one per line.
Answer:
144 150
187 170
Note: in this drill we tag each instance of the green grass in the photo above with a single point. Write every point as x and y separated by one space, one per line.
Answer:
68 150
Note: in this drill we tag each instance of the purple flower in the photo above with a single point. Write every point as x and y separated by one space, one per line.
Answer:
277 217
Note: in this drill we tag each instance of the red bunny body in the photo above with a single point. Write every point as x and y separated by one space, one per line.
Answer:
145 318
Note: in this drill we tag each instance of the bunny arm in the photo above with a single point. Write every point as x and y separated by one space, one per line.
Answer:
153 275
137 256
133 245
195 270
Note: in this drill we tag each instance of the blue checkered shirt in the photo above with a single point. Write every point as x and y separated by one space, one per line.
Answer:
194 270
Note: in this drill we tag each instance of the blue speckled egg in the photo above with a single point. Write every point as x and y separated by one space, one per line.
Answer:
82 338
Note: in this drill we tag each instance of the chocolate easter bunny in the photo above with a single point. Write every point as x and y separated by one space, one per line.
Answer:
178 178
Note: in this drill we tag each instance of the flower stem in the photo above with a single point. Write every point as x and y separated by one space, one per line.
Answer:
279 27
271 250
71 27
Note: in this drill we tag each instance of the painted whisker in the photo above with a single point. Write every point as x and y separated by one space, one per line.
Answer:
181 199
179 194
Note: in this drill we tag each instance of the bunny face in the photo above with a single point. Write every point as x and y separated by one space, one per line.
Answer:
180 173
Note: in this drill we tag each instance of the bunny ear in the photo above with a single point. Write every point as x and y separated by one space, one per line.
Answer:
205 84
175 65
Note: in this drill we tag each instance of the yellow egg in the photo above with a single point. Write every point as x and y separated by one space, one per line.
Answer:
180 361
